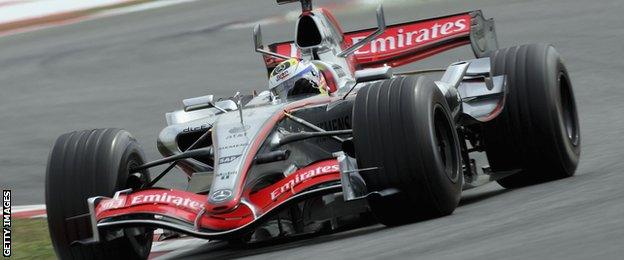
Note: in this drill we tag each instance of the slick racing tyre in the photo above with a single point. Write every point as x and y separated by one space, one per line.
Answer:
85 164
403 126
538 130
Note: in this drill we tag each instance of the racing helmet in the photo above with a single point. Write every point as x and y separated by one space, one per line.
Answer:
293 78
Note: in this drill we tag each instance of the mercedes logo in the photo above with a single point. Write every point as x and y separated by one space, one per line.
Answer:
220 195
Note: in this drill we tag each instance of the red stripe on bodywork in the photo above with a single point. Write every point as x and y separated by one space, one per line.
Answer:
181 204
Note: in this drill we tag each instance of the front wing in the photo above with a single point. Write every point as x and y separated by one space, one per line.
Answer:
185 212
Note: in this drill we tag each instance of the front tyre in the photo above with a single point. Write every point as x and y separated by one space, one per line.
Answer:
404 126
86 164
538 131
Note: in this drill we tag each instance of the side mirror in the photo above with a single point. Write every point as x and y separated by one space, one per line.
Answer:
203 102
306 5
371 74
381 27
197 103
226 105
257 39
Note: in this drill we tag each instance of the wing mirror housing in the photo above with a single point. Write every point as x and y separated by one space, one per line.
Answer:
226 105
197 103
259 48
203 102
306 5
371 74
381 27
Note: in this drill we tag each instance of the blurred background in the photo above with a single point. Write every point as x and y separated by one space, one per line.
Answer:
126 63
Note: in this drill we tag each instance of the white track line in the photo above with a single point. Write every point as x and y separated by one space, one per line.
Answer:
140 7
292 16
18 209
43 8
22 15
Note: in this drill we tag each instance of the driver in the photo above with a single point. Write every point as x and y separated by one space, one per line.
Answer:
293 78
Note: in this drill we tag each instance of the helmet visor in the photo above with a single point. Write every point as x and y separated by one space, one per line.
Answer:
283 88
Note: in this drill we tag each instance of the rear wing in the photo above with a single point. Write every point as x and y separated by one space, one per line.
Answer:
405 43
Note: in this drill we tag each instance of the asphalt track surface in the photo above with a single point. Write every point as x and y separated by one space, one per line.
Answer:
127 71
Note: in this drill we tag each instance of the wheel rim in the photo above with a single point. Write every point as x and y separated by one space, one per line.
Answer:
568 110
139 238
136 180
445 144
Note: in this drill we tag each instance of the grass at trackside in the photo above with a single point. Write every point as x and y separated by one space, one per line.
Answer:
30 239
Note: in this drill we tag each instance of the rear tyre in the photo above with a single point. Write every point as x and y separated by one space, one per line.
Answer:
404 127
85 164
538 130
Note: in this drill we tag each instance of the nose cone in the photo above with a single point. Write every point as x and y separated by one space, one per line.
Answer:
236 145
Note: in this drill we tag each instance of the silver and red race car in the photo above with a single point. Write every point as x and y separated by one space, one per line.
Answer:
391 147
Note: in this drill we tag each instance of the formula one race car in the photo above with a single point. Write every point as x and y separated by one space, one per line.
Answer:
338 138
